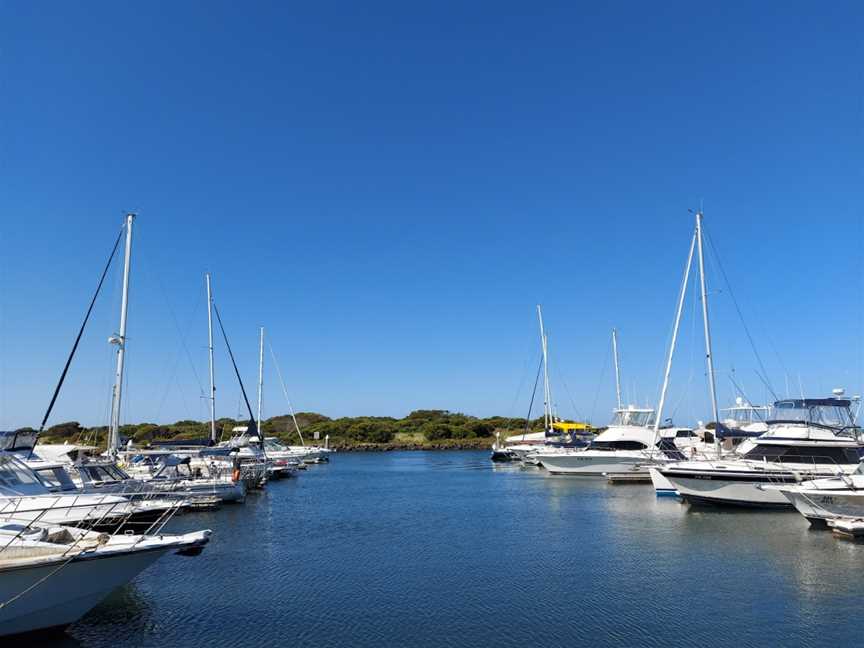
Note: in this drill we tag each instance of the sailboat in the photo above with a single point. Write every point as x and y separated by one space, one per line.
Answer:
51 574
556 432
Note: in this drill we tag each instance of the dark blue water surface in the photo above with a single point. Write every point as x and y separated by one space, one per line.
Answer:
445 549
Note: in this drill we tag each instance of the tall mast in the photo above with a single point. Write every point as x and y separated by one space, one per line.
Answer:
617 368
120 341
543 344
712 388
210 352
659 415
260 382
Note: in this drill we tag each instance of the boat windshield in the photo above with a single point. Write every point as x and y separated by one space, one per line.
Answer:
746 415
639 418
104 473
273 444
13 473
55 478
824 412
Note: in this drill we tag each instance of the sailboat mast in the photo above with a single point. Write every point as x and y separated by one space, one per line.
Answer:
543 341
120 341
260 382
617 368
210 352
659 415
712 387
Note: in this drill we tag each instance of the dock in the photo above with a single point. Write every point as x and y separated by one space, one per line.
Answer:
628 478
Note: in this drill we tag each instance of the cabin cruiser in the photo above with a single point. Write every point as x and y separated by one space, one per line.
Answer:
163 471
89 474
742 421
807 439
629 444
247 456
562 435
47 494
826 499
51 575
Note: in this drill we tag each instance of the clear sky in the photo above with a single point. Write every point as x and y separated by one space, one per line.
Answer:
390 188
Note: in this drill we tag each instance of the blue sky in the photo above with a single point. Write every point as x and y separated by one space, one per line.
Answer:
390 188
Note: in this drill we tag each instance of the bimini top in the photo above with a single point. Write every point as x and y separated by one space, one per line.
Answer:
803 403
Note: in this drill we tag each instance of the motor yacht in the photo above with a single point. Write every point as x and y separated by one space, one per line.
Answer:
628 444
806 439
742 421
47 494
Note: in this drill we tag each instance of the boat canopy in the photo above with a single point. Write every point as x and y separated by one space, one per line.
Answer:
18 439
633 416
571 426
802 403
826 412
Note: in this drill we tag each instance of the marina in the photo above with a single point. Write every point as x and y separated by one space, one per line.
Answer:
334 570
417 325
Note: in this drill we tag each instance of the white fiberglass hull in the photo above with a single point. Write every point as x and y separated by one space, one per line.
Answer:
818 506
593 463
72 587
66 595
226 491
741 483
730 490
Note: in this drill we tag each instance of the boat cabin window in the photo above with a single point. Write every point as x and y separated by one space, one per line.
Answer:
14 474
802 454
684 434
640 418
55 478
617 445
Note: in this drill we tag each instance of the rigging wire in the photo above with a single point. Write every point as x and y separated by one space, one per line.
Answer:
600 383
764 376
236 371
78 337
523 375
567 391
533 396
285 391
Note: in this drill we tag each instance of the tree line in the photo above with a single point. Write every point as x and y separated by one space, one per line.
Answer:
418 427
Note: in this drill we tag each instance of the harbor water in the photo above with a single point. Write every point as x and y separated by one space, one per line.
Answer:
446 549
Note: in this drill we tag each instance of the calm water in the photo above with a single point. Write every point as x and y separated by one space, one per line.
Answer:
435 549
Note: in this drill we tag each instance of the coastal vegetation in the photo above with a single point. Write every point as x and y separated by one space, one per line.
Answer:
420 429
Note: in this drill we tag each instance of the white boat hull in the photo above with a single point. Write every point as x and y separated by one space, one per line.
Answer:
818 507
593 464
66 594
698 490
